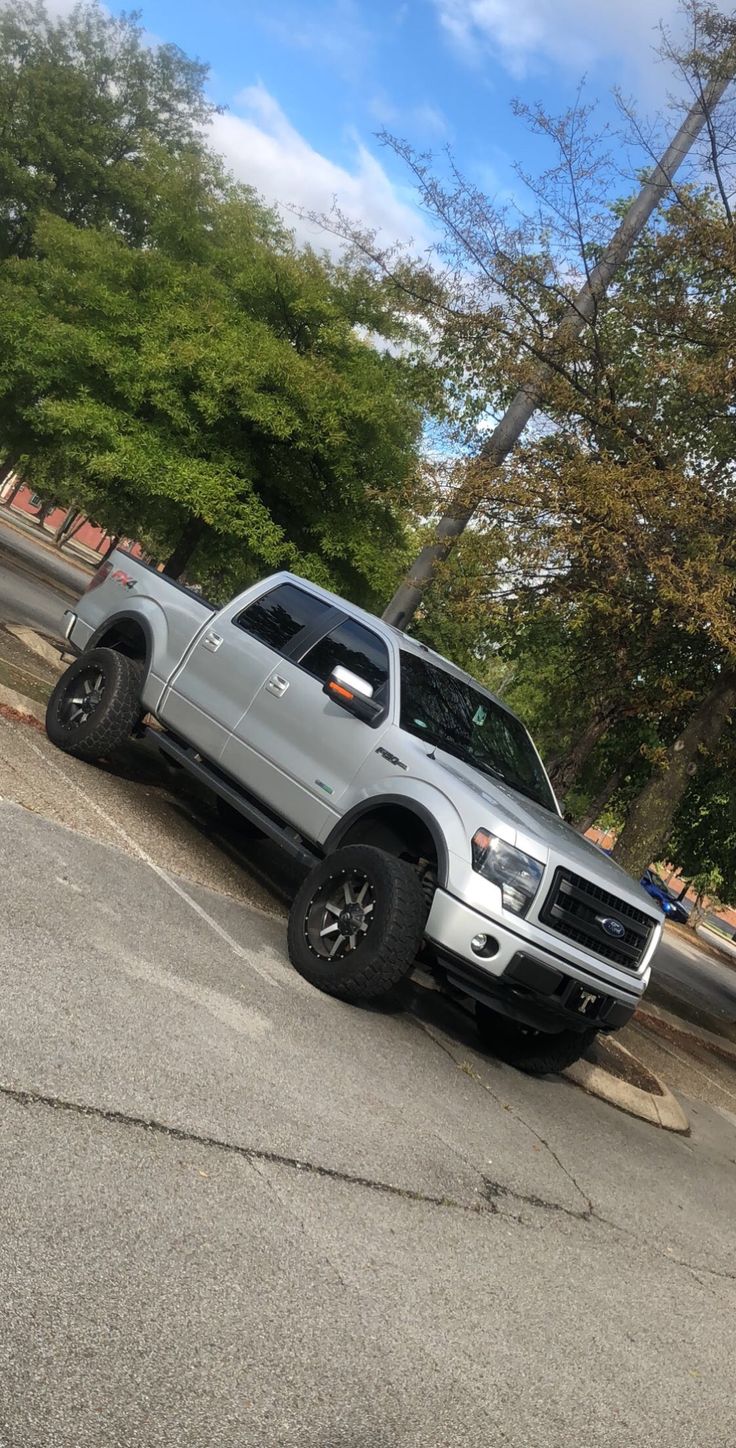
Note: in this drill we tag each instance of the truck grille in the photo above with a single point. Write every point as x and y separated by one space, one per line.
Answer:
574 908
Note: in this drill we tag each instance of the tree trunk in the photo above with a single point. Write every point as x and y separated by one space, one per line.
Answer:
6 471
65 526
177 561
647 830
564 771
684 890
112 545
584 821
579 313
43 514
14 491
697 914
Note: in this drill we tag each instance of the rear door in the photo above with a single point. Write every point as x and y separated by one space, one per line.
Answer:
232 658
294 746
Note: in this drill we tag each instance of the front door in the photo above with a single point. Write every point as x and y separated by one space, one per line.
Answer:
231 659
294 746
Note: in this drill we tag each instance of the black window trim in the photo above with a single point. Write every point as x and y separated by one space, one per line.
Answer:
306 639
320 633
329 620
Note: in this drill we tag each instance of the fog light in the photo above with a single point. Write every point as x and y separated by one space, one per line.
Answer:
484 946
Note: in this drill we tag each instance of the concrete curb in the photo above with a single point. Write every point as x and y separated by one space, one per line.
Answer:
664 1110
37 645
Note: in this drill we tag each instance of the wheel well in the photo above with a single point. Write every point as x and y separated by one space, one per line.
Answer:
126 637
400 832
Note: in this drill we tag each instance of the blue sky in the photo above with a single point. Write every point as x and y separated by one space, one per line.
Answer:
308 83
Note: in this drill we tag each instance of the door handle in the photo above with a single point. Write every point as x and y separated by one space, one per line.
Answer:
212 642
276 685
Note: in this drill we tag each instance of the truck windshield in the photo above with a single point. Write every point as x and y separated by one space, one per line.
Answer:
445 711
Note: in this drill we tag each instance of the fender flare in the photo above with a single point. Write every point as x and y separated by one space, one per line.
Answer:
125 616
377 802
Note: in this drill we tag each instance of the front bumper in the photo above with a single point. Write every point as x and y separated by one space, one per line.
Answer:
523 979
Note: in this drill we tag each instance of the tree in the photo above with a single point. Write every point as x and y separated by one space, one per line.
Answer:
534 281
83 97
225 395
703 841
627 474
615 525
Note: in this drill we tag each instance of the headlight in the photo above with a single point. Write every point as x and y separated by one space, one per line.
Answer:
518 875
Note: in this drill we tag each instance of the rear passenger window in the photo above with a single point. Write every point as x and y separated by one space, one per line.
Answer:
355 647
279 616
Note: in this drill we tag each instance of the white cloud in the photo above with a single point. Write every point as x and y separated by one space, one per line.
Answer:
572 34
263 148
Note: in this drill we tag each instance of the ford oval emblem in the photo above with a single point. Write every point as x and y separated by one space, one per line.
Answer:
612 927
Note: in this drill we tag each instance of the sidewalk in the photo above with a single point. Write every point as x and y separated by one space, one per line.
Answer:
27 523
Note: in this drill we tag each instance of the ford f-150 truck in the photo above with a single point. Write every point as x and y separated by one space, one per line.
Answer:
415 799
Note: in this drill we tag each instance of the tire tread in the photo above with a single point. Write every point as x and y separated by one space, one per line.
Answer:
380 968
116 715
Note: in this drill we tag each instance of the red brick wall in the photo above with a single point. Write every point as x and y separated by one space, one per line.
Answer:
89 535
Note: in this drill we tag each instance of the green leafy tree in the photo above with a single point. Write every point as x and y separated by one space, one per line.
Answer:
83 97
231 400
703 841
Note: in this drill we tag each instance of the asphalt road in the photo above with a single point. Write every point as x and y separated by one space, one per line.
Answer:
35 585
687 973
237 1212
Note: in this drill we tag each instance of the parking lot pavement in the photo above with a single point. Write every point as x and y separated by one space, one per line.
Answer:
238 1212
145 808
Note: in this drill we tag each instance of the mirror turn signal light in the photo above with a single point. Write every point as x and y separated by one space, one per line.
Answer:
336 688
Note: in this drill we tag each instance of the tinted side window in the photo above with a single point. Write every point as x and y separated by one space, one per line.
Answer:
355 647
280 615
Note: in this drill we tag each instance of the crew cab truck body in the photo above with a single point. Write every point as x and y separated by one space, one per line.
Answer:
413 796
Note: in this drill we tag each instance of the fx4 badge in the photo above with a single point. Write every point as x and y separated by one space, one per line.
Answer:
391 758
123 578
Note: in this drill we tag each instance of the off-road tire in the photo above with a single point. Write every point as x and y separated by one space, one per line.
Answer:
113 719
385 955
536 1052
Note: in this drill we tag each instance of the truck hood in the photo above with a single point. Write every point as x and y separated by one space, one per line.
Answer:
536 829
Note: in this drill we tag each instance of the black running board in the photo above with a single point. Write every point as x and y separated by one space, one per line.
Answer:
188 758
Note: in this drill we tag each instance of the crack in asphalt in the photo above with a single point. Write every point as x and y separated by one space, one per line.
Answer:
25 1097
589 1213
494 1190
585 1213
486 1206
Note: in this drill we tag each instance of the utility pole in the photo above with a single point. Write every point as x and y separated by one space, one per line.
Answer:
580 311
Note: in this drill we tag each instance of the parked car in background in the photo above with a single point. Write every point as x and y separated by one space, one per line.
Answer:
673 908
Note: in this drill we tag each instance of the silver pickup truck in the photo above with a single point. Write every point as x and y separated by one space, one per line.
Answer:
415 799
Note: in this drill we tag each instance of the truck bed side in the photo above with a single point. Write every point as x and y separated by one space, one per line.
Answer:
146 614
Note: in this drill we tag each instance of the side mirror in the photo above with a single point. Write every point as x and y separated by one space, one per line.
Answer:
353 694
